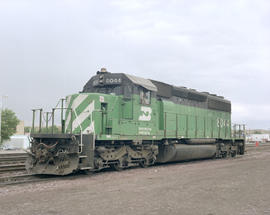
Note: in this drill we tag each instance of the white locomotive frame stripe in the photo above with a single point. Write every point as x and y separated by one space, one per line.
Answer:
83 116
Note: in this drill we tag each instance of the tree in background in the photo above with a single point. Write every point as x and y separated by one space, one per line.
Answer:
9 123
56 130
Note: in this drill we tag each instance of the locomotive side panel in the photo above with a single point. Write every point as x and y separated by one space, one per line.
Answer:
182 121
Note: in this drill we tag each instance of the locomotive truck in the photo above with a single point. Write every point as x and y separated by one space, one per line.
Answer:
120 120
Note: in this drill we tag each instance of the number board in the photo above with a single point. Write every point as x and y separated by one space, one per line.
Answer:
107 80
113 80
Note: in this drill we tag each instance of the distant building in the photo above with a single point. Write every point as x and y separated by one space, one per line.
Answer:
20 128
258 138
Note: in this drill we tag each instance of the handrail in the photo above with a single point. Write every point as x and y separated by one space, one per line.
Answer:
239 131
33 119
76 115
52 117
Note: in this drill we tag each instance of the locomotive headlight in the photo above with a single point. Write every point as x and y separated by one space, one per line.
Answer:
101 79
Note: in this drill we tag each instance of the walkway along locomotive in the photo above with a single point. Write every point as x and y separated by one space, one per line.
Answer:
119 120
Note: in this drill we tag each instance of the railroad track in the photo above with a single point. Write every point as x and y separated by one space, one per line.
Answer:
260 146
18 179
10 162
29 178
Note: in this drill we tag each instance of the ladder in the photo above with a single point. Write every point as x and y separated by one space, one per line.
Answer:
86 156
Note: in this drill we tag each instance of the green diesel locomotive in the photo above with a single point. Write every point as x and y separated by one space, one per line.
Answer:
119 120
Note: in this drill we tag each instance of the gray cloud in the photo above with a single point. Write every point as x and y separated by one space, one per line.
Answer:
49 49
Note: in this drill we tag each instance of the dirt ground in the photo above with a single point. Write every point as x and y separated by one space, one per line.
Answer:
212 187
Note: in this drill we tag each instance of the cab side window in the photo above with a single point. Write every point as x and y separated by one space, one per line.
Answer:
145 96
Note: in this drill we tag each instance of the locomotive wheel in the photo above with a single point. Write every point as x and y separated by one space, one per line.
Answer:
144 163
241 150
224 154
233 154
118 166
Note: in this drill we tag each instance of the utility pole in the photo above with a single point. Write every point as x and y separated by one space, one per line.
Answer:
1 109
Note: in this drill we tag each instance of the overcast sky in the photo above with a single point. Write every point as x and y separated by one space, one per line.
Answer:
49 49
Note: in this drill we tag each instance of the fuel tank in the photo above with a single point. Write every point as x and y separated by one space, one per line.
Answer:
182 152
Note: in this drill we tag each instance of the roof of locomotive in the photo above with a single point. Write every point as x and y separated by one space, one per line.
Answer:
167 91
213 101
146 83
163 90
